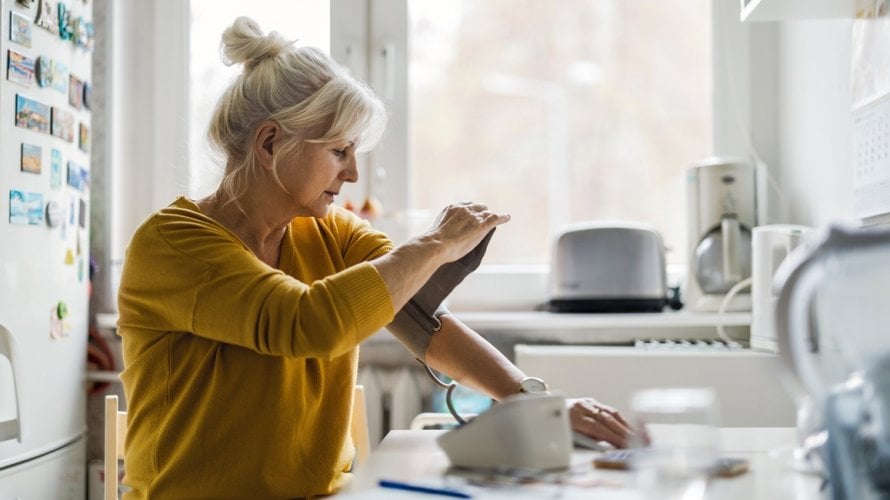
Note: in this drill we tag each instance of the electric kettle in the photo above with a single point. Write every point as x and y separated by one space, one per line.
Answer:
832 317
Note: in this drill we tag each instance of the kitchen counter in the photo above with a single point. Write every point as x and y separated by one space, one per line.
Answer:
504 329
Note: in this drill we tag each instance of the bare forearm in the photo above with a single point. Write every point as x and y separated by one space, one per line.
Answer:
462 354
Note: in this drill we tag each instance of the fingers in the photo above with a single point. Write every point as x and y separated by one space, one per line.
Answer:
600 422
478 211
462 226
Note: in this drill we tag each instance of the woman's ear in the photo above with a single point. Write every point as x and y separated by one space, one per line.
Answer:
264 142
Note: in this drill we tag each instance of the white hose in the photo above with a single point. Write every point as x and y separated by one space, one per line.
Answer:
741 285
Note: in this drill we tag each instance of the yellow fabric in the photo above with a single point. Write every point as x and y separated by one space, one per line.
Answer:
239 377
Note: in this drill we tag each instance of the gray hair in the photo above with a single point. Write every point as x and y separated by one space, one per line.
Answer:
310 97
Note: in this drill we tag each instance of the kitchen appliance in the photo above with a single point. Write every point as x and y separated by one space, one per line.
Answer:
45 100
608 267
832 317
771 244
722 210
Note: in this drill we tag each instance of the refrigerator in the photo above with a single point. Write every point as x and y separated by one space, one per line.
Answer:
45 100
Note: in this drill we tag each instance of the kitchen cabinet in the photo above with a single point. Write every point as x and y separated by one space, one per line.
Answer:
746 383
787 10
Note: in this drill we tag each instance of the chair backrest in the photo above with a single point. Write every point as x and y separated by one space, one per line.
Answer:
358 428
12 428
115 435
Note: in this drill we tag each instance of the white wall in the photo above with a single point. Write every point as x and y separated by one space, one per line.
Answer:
812 153
140 78
148 91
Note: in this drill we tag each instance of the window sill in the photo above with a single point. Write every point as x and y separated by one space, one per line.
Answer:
546 321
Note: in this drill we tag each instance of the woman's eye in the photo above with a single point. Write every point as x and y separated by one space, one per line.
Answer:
340 152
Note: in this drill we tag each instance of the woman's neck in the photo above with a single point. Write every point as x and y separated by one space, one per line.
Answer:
254 222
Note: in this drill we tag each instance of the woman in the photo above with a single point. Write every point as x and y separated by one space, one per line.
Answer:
241 312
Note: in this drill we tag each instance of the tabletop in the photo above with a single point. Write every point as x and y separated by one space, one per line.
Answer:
414 457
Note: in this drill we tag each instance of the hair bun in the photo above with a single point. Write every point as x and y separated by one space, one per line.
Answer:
245 43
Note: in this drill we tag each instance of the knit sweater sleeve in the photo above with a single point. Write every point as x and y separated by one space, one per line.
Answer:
184 273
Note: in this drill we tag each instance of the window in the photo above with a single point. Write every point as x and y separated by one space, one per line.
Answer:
556 112
307 21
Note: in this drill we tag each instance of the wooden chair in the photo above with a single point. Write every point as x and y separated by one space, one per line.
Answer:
358 428
115 435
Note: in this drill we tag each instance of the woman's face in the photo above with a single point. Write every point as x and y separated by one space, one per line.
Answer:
315 173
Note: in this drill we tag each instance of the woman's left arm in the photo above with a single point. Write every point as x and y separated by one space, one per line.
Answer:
470 360
466 357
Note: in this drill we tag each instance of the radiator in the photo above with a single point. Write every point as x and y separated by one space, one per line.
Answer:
394 396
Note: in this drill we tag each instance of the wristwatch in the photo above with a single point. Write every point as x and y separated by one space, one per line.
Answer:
532 385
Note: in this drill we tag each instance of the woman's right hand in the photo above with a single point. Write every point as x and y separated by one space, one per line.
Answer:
460 227
457 231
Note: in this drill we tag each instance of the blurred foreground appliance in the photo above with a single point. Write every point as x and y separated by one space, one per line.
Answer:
608 267
722 210
527 432
832 317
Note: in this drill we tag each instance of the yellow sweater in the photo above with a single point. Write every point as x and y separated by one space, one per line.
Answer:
239 377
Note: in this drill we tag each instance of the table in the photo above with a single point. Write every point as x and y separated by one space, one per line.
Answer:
414 456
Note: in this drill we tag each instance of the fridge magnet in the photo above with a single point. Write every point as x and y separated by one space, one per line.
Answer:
55 170
84 179
72 210
31 158
84 34
54 215
19 29
75 92
55 325
69 257
87 94
31 114
45 18
66 29
58 76
78 251
25 208
62 124
80 272
58 326
84 141
74 178
26 3
19 68
44 71
18 213
82 218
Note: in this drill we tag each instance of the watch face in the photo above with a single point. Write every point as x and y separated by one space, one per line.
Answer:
531 385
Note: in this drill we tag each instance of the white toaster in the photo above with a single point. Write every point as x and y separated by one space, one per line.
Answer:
608 267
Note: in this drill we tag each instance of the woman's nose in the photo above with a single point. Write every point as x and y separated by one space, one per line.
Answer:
350 173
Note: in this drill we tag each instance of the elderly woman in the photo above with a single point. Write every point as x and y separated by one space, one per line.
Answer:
241 312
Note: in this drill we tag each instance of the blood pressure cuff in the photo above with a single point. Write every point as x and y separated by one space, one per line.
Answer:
418 320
